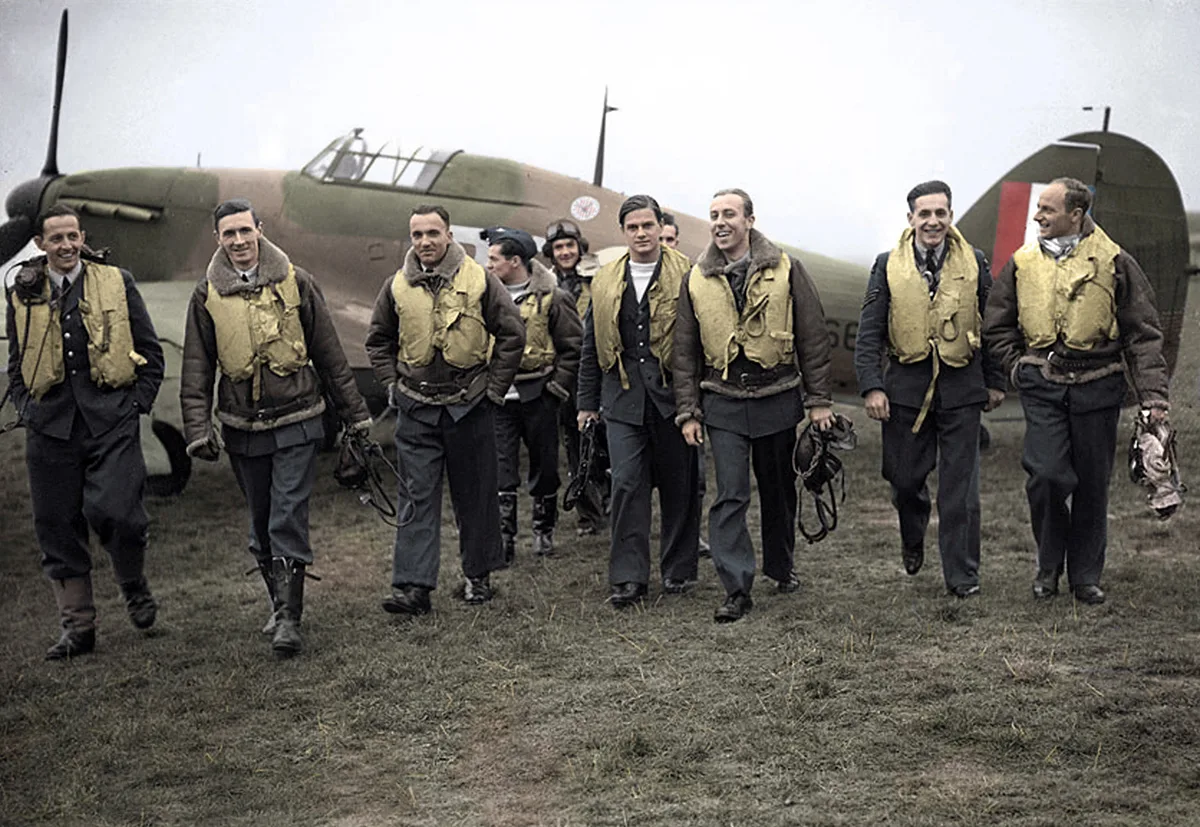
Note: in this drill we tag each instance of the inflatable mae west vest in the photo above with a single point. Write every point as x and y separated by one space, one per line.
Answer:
539 345
1073 298
947 324
104 311
763 330
259 328
608 286
450 322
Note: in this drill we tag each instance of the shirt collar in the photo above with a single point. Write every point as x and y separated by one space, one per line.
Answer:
58 278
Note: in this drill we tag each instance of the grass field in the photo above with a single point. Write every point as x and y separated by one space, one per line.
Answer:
867 698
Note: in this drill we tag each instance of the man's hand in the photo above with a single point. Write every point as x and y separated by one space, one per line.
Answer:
877 405
995 397
822 416
362 427
693 432
1156 416
585 417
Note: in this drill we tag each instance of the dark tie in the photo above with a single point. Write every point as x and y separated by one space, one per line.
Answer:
931 270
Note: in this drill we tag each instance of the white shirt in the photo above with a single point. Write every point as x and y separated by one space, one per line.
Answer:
516 291
641 275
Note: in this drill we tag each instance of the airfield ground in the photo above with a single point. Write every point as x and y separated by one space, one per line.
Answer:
867 698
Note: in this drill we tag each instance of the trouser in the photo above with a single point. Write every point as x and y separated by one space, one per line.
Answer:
536 424
590 506
277 487
728 534
949 438
466 452
654 451
84 481
1068 455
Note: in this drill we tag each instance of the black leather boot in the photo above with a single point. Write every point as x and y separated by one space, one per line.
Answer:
264 568
545 516
508 524
142 608
289 590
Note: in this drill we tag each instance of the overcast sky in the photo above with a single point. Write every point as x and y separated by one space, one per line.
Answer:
826 112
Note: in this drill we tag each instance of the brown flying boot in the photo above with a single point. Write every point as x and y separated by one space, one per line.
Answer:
78 617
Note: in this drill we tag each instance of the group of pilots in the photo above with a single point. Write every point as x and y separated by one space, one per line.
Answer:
659 354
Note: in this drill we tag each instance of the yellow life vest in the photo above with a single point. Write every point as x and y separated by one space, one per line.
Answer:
947 324
1074 298
450 322
608 286
104 311
763 330
585 298
259 328
539 345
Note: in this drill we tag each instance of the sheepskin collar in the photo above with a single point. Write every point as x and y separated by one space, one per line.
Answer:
273 267
763 256
414 271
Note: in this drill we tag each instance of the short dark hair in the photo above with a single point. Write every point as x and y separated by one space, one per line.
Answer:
510 247
668 220
54 211
638 202
747 204
232 207
929 188
432 209
1077 196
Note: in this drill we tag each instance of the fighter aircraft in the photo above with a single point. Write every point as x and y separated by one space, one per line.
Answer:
344 217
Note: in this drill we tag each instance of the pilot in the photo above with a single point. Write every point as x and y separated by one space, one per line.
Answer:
263 325
447 341
751 355
922 310
626 373
670 231
1069 317
565 249
546 377
85 362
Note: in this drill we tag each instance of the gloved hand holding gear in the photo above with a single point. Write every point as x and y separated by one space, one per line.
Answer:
363 427
207 449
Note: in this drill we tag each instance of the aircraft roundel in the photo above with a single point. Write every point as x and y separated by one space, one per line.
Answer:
585 208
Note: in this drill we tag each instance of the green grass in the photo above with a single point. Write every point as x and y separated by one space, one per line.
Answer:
867 698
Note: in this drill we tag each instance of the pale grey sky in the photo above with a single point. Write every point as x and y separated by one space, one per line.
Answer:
826 112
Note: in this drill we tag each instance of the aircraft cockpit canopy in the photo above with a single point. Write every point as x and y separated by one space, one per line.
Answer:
355 159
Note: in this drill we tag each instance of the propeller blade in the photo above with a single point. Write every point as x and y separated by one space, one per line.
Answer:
51 167
14 235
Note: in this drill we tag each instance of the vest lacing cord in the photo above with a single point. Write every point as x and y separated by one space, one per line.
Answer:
355 470
587 457
9 426
819 468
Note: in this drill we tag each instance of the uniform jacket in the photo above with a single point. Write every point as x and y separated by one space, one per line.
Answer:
440 383
649 381
284 399
101 408
1138 349
566 331
807 379
906 384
